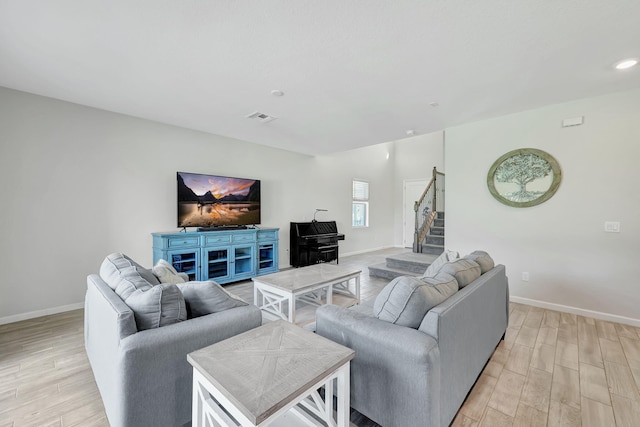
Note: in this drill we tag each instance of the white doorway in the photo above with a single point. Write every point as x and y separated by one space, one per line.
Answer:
413 189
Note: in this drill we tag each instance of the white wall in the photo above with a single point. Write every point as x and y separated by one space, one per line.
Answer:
573 264
78 183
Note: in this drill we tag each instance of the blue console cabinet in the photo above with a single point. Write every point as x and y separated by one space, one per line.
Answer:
224 256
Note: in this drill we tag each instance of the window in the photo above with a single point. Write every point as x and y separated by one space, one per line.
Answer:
360 204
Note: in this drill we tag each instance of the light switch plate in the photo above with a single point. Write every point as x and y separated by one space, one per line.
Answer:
612 226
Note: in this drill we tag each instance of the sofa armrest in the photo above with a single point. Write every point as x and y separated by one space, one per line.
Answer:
153 366
468 327
395 375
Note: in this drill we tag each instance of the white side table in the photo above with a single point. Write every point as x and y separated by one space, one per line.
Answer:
269 373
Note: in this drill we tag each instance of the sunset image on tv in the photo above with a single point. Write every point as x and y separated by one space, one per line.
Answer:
209 200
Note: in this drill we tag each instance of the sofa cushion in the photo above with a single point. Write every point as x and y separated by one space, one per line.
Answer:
464 270
437 264
204 298
483 259
157 306
166 273
406 299
113 264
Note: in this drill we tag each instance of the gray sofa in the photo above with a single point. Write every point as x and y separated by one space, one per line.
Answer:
143 376
406 376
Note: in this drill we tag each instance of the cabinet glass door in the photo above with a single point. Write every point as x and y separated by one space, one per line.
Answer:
243 263
266 258
185 262
216 264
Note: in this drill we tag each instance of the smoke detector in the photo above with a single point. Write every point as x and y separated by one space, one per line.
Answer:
261 117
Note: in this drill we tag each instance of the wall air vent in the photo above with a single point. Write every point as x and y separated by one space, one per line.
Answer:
262 117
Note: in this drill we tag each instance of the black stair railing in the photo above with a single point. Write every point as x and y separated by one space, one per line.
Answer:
431 202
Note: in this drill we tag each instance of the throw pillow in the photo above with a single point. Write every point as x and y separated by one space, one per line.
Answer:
464 270
437 264
157 306
204 298
166 273
406 299
114 263
131 279
483 259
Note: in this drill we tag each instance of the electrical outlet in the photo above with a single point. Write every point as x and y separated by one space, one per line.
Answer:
525 276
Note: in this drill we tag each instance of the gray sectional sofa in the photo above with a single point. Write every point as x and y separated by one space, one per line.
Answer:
139 357
421 345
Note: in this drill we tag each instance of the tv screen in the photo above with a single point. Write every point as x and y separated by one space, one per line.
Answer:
213 201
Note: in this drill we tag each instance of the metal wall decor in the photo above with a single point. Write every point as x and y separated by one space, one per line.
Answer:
524 177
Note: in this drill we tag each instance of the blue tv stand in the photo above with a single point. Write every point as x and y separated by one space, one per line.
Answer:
222 255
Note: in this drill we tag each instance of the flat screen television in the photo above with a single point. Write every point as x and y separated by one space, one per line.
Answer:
217 201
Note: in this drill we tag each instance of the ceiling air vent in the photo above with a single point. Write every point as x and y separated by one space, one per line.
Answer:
262 117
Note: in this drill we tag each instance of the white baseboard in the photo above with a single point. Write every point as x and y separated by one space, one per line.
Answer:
580 311
40 313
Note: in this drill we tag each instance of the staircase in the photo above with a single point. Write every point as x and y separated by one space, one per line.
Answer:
434 242
410 263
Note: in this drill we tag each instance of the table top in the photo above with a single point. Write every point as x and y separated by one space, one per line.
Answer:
296 279
264 369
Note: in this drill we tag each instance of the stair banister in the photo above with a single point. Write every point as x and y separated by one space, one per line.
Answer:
425 208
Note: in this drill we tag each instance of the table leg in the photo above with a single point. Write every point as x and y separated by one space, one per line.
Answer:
343 395
196 408
255 296
292 308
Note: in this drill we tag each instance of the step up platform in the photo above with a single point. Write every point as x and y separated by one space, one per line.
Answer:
405 264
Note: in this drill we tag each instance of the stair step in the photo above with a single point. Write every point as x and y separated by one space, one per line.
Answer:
405 264
411 262
436 231
434 240
440 215
432 249
386 272
438 222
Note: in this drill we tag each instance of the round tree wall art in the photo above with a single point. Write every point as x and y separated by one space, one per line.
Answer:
524 177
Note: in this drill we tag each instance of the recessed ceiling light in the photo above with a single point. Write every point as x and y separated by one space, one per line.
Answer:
410 132
626 63
277 92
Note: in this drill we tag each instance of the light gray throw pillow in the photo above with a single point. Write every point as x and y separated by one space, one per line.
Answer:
157 306
406 299
483 259
204 298
166 273
437 264
153 304
129 281
114 263
464 270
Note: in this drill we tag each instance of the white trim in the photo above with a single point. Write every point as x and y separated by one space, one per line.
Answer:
575 310
40 313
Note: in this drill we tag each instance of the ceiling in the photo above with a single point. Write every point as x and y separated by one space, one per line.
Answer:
353 72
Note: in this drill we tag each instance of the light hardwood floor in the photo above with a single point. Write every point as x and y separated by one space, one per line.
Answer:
553 369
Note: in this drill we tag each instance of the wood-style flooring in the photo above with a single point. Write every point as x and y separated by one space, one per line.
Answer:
553 369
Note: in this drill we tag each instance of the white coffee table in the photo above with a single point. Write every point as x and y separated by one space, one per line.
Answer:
271 376
307 284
